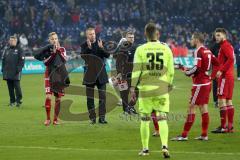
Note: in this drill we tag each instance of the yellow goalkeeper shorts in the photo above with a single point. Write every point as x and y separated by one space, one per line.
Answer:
158 103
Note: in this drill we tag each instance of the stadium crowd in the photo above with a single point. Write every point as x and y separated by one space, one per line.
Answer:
33 20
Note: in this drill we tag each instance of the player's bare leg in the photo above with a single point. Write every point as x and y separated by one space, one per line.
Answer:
205 122
57 109
188 124
230 115
223 115
48 109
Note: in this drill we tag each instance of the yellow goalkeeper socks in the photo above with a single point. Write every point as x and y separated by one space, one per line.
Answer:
163 132
144 130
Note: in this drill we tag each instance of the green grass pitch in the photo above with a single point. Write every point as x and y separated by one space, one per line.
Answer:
24 137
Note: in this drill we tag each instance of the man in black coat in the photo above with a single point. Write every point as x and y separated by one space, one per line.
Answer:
124 66
12 64
92 51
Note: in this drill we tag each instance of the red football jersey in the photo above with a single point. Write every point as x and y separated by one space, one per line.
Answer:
226 59
204 60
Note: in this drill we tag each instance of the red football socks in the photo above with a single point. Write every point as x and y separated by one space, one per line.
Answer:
48 107
205 122
230 115
188 124
223 115
155 121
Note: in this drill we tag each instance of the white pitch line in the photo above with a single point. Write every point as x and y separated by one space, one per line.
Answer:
113 150
178 88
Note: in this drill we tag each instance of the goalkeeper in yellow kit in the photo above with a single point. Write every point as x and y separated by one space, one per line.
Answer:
152 74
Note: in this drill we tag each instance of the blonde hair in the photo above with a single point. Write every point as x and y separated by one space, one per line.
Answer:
199 36
90 29
51 34
13 37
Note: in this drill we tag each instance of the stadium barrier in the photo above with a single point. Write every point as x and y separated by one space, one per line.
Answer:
33 66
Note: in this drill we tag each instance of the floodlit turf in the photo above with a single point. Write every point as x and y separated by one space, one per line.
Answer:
24 137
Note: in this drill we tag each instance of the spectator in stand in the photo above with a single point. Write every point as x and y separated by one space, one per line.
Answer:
237 54
33 18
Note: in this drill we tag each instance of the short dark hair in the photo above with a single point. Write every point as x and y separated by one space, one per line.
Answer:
129 33
199 36
221 30
151 30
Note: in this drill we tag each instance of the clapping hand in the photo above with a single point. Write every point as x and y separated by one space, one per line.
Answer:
100 43
56 46
89 44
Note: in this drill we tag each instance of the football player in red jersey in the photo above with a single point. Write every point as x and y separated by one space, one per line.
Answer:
201 88
53 55
225 77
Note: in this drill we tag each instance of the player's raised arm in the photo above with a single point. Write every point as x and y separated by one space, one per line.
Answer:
102 51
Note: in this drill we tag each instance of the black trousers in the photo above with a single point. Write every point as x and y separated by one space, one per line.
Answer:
215 95
238 71
102 100
15 92
125 96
